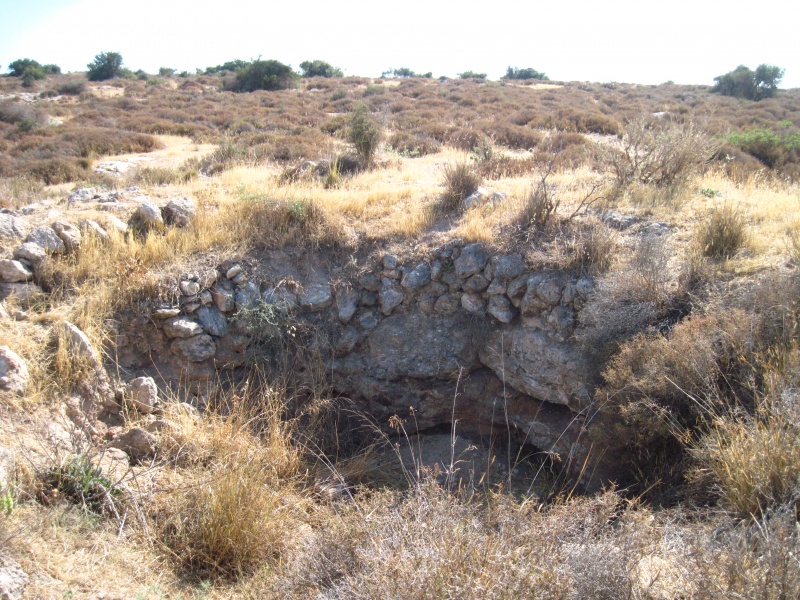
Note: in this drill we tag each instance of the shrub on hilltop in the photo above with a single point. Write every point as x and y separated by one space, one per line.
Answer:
528 73
105 65
319 68
751 85
263 75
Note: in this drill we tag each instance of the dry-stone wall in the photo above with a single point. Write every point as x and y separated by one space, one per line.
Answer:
461 334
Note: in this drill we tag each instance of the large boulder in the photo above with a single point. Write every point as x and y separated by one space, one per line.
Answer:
12 227
13 271
146 218
14 376
47 238
69 234
141 394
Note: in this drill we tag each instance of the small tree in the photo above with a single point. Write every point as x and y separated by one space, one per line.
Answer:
364 133
319 68
528 73
472 75
264 75
166 72
105 65
745 83
18 67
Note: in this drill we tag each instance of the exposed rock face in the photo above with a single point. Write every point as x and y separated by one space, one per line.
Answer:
14 375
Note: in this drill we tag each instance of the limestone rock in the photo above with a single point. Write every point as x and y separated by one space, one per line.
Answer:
476 283
14 271
389 262
472 260
14 376
142 394
137 443
31 252
234 271
223 299
346 303
48 239
196 348
82 195
417 277
390 298
69 234
189 288
77 343
13 580
316 297
540 366
181 327
370 282
166 312
212 320
472 303
12 227
146 218
116 223
346 341
248 296
180 212
92 228
500 308
507 266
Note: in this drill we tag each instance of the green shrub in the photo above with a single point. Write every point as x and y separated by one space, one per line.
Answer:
166 72
472 75
105 65
364 133
773 148
83 483
528 73
744 83
264 75
319 68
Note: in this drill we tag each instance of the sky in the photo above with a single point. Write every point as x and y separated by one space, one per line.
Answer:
646 42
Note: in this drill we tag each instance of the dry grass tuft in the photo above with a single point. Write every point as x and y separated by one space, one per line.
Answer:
723 234
460 181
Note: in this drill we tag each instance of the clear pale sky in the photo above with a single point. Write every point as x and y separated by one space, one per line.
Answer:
686 41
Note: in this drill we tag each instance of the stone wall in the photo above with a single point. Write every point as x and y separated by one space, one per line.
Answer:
461 334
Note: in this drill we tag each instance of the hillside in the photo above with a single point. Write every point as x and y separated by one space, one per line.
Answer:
397 338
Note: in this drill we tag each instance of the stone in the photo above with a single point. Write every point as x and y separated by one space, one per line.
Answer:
229 359
368 299
426 303
507 266
472 260
437 289
517 288
477 197
450 279
116 223
316 297
13 580
47 238
23 292
447 304
367 320
196 348
181 327
540 366
476 283
585 287
417 277
77 343
179 212
82 195
14 375
497 287
549 290
234 342
562 319
92 228
248 296
223 299
233 271
147 217
189 288
212 320
69 234
166 313
137 443
279 297
436 269
13 271
500 308
12 227
346 303
30 251
207 278
142 394
370 282
346 341
472 303
389 262
206 298
390 298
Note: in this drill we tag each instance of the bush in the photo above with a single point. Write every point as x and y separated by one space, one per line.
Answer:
74 87
319 68
660 153
264 75
364 133
744 83
460 181
773 148
524 74
723 234
472 75
166 72
105 65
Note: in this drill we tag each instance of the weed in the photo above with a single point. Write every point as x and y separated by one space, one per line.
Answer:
83 483
723 233
460 181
